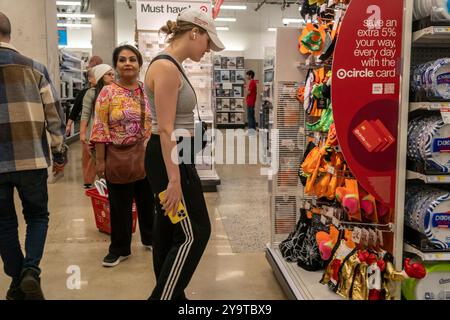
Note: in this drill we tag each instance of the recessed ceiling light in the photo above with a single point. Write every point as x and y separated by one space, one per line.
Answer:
75 25
272 29
226 19
75 15
289 20
68 3
227 7
223 28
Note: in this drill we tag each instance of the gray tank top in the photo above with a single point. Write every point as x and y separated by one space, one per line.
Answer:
184 118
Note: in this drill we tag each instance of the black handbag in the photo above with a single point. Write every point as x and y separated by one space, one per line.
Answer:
204 125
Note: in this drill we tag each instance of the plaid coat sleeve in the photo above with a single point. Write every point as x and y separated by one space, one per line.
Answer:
53 111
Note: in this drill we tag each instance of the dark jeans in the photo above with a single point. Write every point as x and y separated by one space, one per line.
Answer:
251 117
32 189
121 201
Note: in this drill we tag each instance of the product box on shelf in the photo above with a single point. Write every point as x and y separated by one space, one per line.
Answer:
238 90
239 104
433 287
224 118
240 63
225 104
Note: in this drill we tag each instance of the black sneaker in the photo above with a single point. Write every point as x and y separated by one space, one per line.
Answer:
149 247
111 260
31 285
15 293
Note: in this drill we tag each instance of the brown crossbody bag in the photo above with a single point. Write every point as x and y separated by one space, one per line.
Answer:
125 163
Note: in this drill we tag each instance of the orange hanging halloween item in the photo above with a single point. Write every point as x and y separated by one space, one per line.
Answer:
349 198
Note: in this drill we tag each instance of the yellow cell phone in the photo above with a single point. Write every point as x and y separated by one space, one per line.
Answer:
181 212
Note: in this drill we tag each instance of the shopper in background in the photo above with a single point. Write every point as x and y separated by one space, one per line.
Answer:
29 107
251 101
103 76
177 248
78 103
87 165
122 125
94 61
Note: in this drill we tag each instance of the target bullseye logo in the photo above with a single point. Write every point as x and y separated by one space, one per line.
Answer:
204 9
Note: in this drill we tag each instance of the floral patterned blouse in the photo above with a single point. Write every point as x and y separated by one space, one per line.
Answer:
117 117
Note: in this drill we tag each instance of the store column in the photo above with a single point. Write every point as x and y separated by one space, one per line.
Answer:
103 29
34 31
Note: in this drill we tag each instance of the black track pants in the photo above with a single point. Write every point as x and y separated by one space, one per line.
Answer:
177 248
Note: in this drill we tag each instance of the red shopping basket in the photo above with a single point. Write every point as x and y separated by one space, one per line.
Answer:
100 204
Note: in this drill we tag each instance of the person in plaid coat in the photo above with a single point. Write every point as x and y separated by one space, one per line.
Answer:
29 108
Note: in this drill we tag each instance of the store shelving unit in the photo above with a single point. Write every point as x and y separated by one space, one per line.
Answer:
266 112
428 255
297 283
429 179
427 44
71 74
428 106
300 284
229 82
436 36
285 189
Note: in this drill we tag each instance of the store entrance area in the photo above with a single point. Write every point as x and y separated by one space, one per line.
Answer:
233 267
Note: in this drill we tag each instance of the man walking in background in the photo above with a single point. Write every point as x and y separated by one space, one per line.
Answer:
28 108
251 101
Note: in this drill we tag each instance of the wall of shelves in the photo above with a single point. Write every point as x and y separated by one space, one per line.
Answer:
429 43
72 81
228 93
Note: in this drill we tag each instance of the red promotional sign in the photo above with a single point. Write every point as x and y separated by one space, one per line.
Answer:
216 8
366 93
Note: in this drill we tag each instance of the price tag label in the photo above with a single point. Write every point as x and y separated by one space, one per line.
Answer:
372 237
331 170
227 86
307 205
302 130
356 235
326 211
336 222
445 113
364 237
380 237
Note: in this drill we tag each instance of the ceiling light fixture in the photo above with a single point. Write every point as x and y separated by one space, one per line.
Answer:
272 29
226 7
226 19
75 25
68 3
288 21
75 15
223 28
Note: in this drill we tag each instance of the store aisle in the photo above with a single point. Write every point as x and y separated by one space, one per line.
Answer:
74 244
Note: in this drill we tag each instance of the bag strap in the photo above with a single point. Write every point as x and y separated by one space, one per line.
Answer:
167 57
142 100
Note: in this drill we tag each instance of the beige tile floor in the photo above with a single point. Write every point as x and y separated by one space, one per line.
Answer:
74 243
